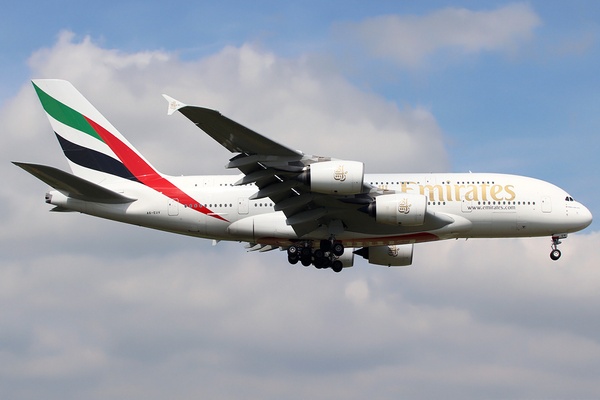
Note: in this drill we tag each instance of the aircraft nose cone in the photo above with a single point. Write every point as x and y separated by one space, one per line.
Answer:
584 216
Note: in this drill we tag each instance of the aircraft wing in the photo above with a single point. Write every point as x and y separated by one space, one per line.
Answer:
231 135
281 175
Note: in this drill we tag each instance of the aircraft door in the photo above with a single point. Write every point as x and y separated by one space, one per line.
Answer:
173 207
546 204
243 206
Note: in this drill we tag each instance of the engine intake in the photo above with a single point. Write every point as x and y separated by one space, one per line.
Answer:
404 209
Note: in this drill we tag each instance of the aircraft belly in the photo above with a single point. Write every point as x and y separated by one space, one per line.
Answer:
258 226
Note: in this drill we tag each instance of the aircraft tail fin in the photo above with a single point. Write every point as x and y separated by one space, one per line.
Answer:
92 145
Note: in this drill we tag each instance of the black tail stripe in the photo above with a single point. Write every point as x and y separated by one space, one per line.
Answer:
93 159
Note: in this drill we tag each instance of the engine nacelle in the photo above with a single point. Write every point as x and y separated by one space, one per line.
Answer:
336 177
404 209
398 255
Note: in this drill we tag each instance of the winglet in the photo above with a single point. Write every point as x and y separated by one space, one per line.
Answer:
174 105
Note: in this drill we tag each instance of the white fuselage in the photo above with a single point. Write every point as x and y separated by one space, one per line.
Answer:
313 207
480 205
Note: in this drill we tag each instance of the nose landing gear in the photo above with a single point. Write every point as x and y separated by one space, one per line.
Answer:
555 253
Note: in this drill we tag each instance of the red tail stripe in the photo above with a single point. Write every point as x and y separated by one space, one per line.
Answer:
145 173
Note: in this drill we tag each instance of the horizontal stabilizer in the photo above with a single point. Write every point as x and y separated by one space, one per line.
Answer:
74 186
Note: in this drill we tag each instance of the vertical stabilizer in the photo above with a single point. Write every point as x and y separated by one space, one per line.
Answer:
93 147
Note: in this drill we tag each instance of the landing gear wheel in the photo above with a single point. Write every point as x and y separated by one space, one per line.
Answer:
292 251
337 266
319 259
293 260
305 252
325 245
555 254
337 249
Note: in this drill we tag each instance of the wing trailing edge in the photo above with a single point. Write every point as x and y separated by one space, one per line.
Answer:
74 186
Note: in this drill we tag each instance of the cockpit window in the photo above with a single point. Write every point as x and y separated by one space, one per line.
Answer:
569 198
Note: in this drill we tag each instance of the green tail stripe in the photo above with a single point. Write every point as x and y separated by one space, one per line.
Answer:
65 114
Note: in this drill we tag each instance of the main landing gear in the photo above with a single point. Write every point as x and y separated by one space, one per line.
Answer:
325 256
555 253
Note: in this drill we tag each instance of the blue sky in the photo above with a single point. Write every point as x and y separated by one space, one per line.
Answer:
94 309
541 90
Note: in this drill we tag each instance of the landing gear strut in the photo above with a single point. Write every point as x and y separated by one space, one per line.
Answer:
337 248
555 253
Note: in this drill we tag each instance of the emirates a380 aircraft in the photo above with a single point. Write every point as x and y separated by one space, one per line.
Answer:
320 210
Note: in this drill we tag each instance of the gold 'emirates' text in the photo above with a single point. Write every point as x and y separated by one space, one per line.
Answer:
456 192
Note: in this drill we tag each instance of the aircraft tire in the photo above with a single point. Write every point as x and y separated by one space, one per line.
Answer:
305 252
337 249
337 266
320 261
292 251
325 245
555 254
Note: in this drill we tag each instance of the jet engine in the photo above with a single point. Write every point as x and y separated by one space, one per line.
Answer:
398 255
404 209
335 177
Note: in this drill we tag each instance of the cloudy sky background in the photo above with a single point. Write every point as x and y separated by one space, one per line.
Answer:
94 309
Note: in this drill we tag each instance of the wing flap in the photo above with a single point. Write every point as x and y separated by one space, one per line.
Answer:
73 186
275 189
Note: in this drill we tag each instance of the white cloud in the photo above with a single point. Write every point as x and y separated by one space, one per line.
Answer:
94 309
412 40
289 100
186 322
357 291
575 45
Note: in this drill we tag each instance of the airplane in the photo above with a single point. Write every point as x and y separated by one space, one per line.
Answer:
320 210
